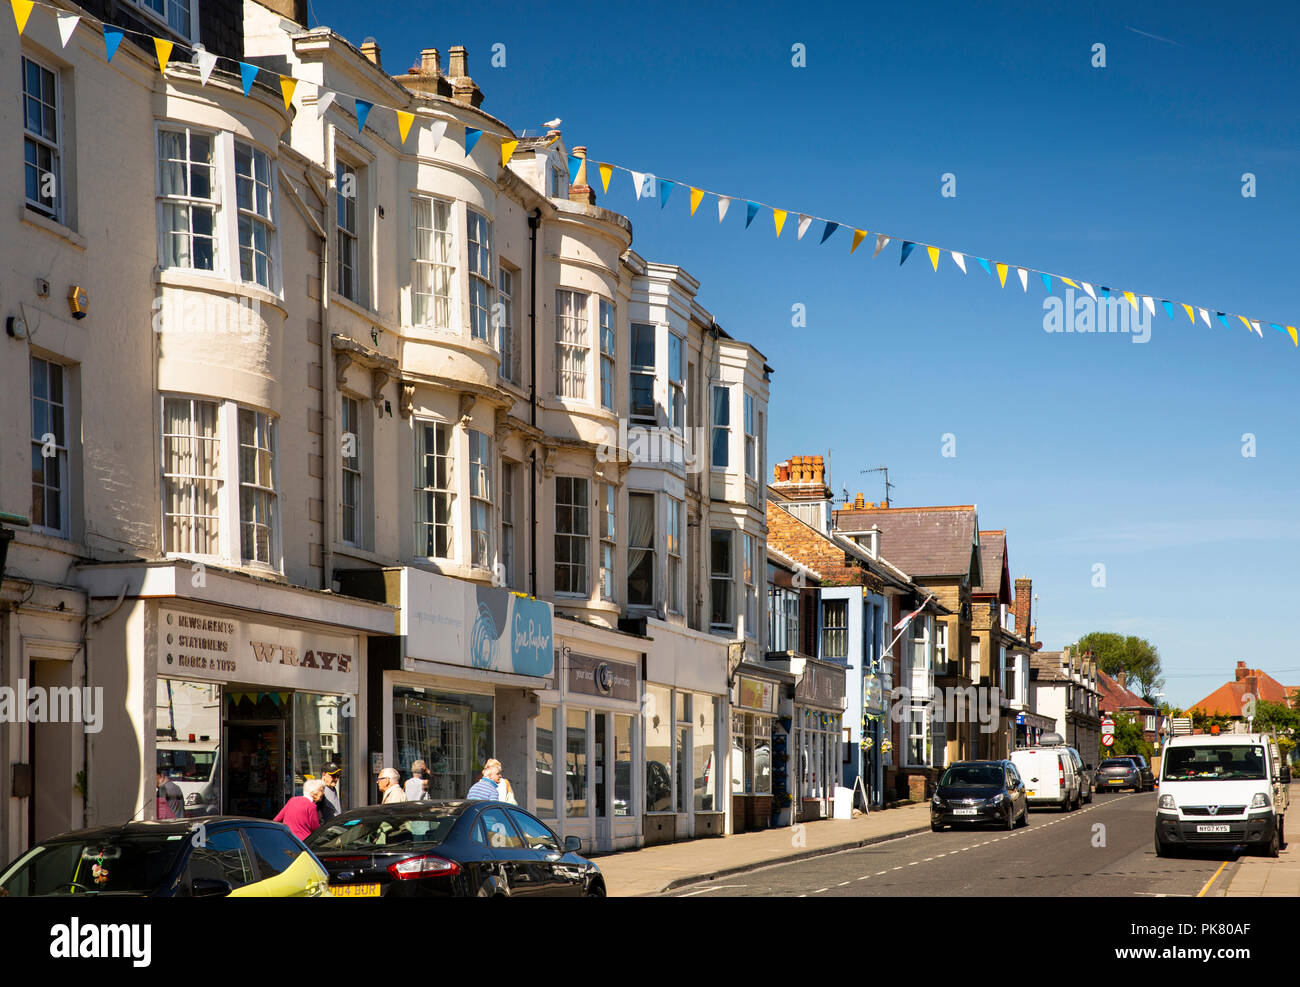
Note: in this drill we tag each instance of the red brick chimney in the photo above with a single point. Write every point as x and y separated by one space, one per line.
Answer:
1022 606
802 480
1242 671
1121 677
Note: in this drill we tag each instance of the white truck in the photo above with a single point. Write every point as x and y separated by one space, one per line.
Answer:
1221 790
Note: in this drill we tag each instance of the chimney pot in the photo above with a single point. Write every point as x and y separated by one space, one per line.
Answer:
370 50
430 62
458 64
858 502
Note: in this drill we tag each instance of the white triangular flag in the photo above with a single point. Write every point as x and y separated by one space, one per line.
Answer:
1206 316
437 131
1024 277
638 183
323 99
67 24
207 62
1149 302
651 186
881 242
1088 288
723 203
959 260
804 223
1258 329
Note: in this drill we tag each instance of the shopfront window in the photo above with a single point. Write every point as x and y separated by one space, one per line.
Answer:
188 716
546 763
658 726
760 759
683 765
707 794
321 733
575 757
598 762
451 734
622 765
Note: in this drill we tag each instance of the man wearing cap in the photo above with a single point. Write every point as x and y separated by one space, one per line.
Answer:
329 806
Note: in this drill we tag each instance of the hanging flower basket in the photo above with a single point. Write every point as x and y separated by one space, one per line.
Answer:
887 746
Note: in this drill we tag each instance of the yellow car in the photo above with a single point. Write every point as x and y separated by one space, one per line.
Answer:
216 856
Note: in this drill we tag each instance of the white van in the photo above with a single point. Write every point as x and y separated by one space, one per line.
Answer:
1220 791
1050 774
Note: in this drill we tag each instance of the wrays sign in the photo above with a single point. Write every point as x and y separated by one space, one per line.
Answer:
225 649
456 622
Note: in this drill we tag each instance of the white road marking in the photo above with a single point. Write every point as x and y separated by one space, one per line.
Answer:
865 876
842 884
879 872
716 887
819 891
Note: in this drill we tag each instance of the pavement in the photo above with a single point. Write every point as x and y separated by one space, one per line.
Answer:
1268 877
656 869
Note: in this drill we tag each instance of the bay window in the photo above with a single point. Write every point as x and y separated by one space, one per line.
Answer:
641 549
506 342
508 472
721 426
608 536
432 265
751 587
572 534
435 489
751 439
188 199
721 578
256 223
674 549
571 343
641 375
479 234
606 355
480 494
257 499
676 384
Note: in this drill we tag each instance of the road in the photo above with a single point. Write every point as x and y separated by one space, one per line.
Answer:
1104 849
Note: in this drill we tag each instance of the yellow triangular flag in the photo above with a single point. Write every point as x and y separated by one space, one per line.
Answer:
287 85
1245 322
778 217
404 121
507 147
1190 314
22 11
1131 300
164 51
606 173
1002 274
934 256
697 196
858 237
1294 340
1069 282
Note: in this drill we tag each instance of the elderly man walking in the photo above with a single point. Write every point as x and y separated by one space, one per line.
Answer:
485 789
300 813
390 784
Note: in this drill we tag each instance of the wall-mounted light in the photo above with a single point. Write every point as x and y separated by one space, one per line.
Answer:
16 326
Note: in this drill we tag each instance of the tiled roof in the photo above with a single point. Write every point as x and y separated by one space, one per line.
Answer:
993 564
1048 664
922 541
1228 698
1115 697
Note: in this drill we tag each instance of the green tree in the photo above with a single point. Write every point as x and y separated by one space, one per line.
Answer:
1128 737
1276 718
1136 656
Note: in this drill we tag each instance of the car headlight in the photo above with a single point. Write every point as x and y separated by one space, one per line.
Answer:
998 799
1167 802
937 802
1260 801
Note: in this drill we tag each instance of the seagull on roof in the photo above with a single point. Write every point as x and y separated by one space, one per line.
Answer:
552 124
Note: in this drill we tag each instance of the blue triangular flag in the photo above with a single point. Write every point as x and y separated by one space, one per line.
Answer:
1047 281
826 233
751 210
1222 319
1104 290
908 247
1169 307
665 190
1277 327
471 138
112 38
575 163
248 73
985 264
363 111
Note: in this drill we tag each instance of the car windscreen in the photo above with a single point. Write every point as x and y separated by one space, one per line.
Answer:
1117 762
1238 762
116 865
380 831
972 776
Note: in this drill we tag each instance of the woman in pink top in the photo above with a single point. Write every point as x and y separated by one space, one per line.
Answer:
299 813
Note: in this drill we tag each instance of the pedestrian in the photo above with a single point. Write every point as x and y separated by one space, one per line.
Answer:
485 789
506 791
417 786
390 785
171 800
330 806
299 813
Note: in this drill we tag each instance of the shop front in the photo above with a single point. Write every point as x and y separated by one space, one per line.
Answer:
1030 728
586 739
459 684
754 707
815 735
230 700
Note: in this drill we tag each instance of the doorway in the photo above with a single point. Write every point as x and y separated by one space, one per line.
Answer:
51 755
255 742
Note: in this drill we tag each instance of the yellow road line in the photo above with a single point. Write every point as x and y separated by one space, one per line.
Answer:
1211 880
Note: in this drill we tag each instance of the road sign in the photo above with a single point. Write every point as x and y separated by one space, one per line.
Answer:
1108 725
1107 739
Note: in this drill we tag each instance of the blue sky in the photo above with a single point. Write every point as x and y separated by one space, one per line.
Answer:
1087 448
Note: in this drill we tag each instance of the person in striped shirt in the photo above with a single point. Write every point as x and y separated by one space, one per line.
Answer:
485 789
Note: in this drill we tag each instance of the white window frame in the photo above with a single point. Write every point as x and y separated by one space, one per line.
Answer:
608 353
719 579
259 490
480 316
54 146
677 384
188 200
425 525
164 19
509 473
507 343
481 476
578 503
751 439
724 427
676 510
342 166
608 541
572 339
61 455
651 548
221 537
747 565
354 466
267 220
425 270
647 371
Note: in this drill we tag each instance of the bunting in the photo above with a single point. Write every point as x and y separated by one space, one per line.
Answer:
575 165
643 183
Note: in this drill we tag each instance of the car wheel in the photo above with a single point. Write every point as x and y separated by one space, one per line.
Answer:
1011 819
1273 846
1163 849
596 890
1024 816
936 827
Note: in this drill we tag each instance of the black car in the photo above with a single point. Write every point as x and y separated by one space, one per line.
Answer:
175 858
980 792
1123 772
451 849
